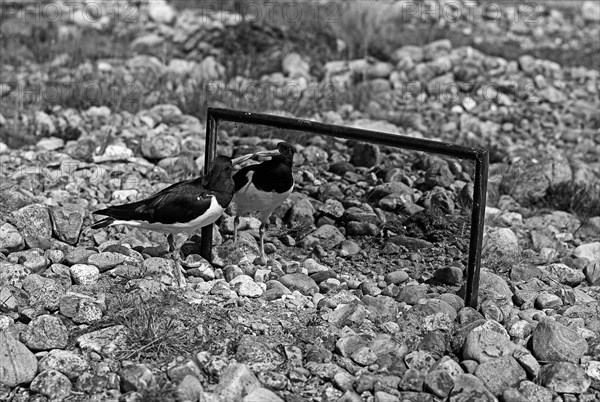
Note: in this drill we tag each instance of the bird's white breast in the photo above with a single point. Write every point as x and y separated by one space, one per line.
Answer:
209 216
250 199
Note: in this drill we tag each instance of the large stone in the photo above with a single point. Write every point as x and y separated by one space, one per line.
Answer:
328 236
352 315
105 341
53 384
561 273
501 242
467 387
44 333
17 364
107 260
300 282
588 251
262 395
383 190
501 373
84 274
190 389
136 377
295 66
33 221
552 341
158 147
493 286
10 238
149 43
67 222
301 210
43 292
13 274
69 363
564 377
237 380
365 154
534 392
161 12
487 342
439 383
590 11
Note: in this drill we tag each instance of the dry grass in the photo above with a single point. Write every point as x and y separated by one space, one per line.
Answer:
164 326
582 200
154 330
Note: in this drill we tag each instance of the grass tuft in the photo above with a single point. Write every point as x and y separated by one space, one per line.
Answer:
154 330
580 199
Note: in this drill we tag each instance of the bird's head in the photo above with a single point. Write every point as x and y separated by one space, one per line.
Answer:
221 168
286 150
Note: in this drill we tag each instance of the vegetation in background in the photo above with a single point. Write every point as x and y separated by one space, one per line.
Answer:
580 199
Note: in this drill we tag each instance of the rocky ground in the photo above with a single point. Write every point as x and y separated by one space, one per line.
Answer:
361 298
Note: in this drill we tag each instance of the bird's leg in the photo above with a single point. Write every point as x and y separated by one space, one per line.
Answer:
171 242
261 232
236 222
178 269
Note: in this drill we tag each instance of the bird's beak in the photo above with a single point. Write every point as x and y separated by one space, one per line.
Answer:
244 158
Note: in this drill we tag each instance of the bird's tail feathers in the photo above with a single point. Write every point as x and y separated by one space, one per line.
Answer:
102 223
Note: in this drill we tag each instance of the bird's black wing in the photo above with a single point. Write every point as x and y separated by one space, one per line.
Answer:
273 176
180 202
269 176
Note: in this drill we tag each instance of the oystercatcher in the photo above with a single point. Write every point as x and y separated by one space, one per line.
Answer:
263 187
183 207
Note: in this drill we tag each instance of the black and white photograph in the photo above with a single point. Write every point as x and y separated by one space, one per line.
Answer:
300 200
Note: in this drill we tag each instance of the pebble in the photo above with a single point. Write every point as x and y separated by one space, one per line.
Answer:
68 363
237 380
33 222
439 383
420 360
449 275
468 387
107 260
364 356
483 344
547 300
534 392
136 377
247 287
552 341
396 277
43 292
10 238
18 365
79 255
365 154
562 273
84 274
564 377
52 384
190 388
500 373
332 208
327 236
104 340
301 282
349 248
44 333
67 223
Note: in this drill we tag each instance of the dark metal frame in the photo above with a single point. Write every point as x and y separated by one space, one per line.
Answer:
478 155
